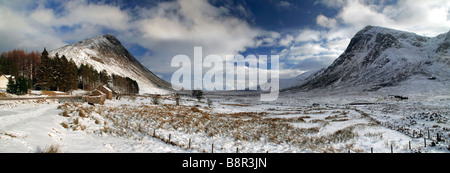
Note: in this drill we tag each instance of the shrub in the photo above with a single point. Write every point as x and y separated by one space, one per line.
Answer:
65 113
343 135
52 149
65 125
3 95
82 114
156 99
197 94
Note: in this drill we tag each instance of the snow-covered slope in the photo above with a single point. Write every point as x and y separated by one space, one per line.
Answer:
378 57
106 52
300 79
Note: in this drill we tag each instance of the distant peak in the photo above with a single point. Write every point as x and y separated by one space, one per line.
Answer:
109 36
112 39
376 29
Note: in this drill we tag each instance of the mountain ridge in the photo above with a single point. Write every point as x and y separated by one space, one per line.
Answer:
105 52
378 57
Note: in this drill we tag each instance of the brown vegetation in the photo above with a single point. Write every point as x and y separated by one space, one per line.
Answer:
134 121
52 149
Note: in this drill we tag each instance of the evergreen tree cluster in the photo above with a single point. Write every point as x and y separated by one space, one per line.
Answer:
43 72
124 85
57 73
18 86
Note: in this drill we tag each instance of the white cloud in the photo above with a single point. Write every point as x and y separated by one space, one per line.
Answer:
17 30
176 27
306 35
94 14
325 21
428 18
307 49
315 49
285 4
30 25
359 15
331 3
286 41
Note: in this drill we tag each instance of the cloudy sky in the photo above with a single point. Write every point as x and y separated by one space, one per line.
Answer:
307 34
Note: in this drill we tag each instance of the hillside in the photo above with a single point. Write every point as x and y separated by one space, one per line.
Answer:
106 52
379 57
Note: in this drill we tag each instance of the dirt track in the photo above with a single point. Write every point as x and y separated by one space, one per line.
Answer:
41 97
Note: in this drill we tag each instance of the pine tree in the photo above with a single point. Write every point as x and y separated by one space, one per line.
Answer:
104 77
45 72
22 85
11 86
57 70
63 74
72 75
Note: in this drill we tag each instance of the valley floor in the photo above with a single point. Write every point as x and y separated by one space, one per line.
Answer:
359 123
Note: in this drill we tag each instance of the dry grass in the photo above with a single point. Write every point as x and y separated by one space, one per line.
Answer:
52 93
52 149
311 130
378 135
10 135
343 135
3 95
76 121
129 121
337 120
334 117
82 114
65 113
238 105
65 125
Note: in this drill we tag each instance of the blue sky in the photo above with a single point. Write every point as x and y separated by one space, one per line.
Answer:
307 34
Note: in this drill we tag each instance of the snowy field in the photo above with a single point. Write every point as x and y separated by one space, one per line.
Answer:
353 123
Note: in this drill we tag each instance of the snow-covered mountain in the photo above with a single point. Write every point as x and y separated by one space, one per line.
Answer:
106 52
379 57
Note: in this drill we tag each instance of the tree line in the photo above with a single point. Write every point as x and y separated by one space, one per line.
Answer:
57 73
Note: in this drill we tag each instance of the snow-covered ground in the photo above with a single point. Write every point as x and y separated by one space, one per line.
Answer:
33 126
291 124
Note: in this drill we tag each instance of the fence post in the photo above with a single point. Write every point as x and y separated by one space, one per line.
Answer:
371 150
409 145
438 138
169 137
154 132
189 143
212 148
237 149
425 142
392 150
